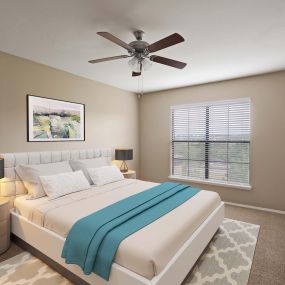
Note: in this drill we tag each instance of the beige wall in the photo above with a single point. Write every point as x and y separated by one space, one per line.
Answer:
111 113
267 140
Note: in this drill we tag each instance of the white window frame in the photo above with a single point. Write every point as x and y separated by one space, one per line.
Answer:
234 185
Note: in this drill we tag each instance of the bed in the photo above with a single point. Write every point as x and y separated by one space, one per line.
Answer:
160 253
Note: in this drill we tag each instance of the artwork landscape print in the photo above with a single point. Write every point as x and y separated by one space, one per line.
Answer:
55 120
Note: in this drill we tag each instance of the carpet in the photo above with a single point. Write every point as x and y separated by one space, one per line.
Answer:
226 261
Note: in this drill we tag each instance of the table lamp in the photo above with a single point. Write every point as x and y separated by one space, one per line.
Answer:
1 168
124 154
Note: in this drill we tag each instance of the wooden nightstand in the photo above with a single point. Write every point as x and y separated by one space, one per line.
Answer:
4 224
130 174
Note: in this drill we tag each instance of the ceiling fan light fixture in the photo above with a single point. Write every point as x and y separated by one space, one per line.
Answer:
134 64
146 64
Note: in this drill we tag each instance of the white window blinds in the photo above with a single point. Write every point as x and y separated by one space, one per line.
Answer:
210 141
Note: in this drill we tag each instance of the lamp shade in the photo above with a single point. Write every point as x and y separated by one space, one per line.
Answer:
1 168
123 154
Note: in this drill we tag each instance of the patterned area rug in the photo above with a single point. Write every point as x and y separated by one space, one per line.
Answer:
25 269
226 261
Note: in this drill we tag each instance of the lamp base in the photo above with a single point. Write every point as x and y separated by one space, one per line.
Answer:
124 167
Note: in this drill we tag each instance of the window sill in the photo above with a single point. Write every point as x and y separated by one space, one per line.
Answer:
211 182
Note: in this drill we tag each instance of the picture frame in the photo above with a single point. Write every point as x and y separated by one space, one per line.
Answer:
54 120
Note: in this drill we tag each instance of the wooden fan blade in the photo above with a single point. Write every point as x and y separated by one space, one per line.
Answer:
166 42
108 58
136 73
115 40
168 61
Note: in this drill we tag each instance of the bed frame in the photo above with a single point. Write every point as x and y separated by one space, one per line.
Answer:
51 244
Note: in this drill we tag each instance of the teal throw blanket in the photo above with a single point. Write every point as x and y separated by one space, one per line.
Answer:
93 241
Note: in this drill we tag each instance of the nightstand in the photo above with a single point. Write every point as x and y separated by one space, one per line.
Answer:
130 174
4 224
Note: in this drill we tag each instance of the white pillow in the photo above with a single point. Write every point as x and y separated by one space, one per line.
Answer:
104 175
30 174
83 164
64 183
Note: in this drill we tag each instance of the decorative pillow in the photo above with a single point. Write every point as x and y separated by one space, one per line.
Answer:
104 175
83 164
64 183
30 174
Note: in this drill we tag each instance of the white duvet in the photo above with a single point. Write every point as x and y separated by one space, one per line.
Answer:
147 251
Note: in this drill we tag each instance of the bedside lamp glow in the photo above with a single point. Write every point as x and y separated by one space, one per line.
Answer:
124 154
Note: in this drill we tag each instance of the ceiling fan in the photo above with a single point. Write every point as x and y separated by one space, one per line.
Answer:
139 51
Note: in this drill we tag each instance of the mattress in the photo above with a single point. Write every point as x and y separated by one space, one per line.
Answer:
145 252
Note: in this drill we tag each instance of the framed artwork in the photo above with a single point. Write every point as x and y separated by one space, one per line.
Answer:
51 120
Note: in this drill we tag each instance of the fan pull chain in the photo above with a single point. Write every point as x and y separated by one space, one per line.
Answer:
139 95
140 85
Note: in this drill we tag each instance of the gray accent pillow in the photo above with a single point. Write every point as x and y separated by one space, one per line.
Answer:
83 164
30 174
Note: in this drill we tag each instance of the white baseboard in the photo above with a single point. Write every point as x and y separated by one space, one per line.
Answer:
255 208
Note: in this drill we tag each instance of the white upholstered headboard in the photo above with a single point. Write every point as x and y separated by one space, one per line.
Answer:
12 186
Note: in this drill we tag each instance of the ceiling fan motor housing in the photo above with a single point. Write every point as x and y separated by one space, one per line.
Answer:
139 45
140 48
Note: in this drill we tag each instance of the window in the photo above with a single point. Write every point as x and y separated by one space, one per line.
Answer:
210 141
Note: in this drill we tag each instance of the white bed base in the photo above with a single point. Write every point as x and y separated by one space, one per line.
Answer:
51 244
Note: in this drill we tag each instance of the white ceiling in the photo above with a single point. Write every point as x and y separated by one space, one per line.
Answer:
224 38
